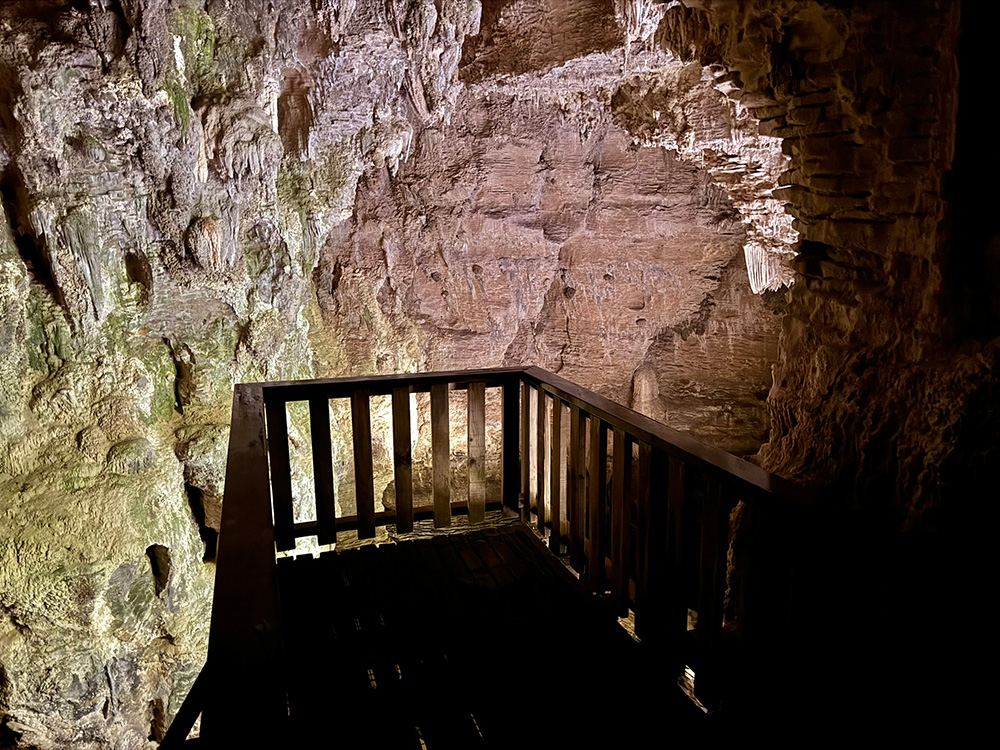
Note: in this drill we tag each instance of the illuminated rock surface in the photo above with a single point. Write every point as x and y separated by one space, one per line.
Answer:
199 194
256 191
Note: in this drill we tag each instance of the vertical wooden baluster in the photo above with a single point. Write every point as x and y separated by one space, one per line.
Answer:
598 480
511 438
364 485
477 452
247 642
642 613
711 590
540 458
402 449
281 475
576 475
628 525
659 584
441 448
675 609
525 453
326 509
555 474
621 464
709 552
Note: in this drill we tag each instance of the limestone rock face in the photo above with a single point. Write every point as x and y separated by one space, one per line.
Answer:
199 194
876 388
511 239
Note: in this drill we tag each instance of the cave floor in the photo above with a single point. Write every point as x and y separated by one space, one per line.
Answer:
464 640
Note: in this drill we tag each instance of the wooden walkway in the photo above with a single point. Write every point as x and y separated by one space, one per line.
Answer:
477 640
463 641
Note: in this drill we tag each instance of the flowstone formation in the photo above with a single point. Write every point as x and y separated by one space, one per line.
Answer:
199 194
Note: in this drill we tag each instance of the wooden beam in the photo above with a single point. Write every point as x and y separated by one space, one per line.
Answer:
364 481
383 385
281 475
540 458
643 539
711 590
477 452
555 475
621 464
188 713
525 454
326 509
675 604
510 476
577 479
441 450
402 450
244 644
596 546
629 515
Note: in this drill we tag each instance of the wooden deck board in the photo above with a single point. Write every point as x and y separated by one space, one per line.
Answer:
431 643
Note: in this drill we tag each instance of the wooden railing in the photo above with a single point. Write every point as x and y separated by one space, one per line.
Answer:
642 511
359 392
645 516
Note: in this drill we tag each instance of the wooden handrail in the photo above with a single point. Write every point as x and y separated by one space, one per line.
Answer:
244 646
622 490
383 385
688 449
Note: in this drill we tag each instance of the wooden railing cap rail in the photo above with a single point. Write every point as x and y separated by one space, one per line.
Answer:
381 385
685 447
244 645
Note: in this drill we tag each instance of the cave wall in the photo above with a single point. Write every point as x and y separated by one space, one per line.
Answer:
197 194
885 387
510 239
164 179
878 387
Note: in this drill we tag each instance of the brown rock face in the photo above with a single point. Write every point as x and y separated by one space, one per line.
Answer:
887 375
525 35
510 237
706 376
